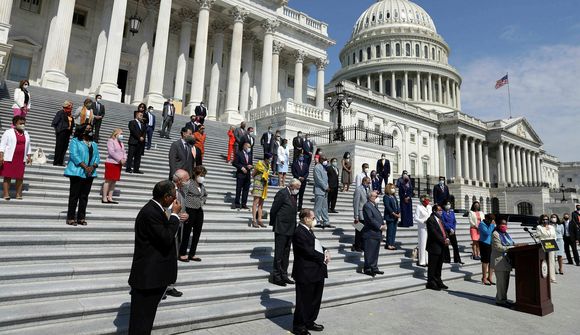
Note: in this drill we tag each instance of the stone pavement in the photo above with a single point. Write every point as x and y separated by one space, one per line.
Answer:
466 308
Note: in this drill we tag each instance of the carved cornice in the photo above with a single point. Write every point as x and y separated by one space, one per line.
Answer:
270 25
239 14
249 36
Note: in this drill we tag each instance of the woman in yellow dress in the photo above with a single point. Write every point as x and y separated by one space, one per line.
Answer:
260 176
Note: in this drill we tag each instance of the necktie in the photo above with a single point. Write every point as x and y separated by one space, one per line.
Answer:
138 124
300 164
442 229
246 156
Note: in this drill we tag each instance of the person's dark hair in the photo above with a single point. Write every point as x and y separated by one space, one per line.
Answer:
135 113
304 212
184 130
333 160
365 164
489 217
322 158
317 151
162 189
435 208
284 141
142 105
80 130
98 96
541 219
199 170
345 155
473 205
22 82
18 118
557 217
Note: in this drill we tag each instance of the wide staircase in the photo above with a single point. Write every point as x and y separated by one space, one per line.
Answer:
59 279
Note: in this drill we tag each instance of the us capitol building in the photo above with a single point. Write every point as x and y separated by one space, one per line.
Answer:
251 60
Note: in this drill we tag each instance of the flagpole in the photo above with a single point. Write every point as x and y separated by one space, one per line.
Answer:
509 94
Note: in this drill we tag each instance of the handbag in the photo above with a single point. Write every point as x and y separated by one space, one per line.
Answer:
39 157
273 181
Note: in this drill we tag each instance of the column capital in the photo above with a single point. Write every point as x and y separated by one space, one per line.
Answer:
249 36
300 55
205 4
219 26
174 27
239 14
321 63
270 25
277 47
187 15
152 5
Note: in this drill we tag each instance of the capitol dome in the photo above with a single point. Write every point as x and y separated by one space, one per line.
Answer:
387 13
395 50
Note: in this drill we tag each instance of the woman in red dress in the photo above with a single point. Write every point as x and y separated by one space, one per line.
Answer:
232 138
116 159
15 152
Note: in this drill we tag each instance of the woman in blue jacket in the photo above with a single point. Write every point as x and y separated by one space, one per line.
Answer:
450 223
392 215
486 228
81 170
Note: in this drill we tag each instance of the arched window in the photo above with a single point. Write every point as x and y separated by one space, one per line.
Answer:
348 60
368 53
388 50
433 53
495 205
377 86
397 49
410 89
378 51
466 205
426 52
360 54
439 55
374 17
399 88
354 57
525 208
408 49
388 15
388 88
417 51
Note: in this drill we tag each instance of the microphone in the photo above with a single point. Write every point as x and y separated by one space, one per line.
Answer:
526 229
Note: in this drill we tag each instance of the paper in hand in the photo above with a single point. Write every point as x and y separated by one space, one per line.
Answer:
318 246
358 226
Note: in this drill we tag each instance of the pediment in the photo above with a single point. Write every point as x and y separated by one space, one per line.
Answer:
523 129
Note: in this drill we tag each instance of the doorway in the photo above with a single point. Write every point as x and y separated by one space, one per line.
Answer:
122 82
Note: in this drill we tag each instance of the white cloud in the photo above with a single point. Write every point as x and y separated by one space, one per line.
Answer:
544 89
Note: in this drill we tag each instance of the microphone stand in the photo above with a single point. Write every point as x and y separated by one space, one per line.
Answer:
531 235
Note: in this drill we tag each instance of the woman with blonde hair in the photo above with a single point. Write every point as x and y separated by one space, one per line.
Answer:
85 113
116 159
260 175
392 215
21 105
546 231
475 217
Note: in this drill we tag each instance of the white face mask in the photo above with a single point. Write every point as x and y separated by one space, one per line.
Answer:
25 86
120 137
366 171
294 192
248 150
314 222
554 220
377 200
200 180
447 207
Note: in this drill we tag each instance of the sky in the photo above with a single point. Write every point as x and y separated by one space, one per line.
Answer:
536 41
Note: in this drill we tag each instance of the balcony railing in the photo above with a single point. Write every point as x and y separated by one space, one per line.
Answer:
352 133
290 107
306 21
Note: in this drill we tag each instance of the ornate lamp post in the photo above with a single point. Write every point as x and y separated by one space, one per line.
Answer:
135 21
341 101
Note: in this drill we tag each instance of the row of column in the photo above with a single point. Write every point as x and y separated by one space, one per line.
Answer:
471 159
425 87
519 166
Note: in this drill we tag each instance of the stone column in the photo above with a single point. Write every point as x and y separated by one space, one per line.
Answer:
298 68
232 114
393 85
381 83
458 172
539 168
404 86
528 168
101 50
430 88
467 172
514 165
486 163
321 65
424 90
418 87
144 51
534 169
369 86
455 89
108 86
524 167
155 95
276 49
448 93
458 97
248 70
480 160
442 156
187 16
269 27
501 163
57 43
5 11
508 165
473 162
218 28
439 90
519 167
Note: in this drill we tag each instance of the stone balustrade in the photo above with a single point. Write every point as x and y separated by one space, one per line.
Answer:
291 107
305 20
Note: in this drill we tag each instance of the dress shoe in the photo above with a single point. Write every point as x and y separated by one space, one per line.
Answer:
245 207
185 260
174 293
355 249
138 172
432 287
378 272
443 286
129 171
195 259
369 273
328 226
288 280
300 332
315 327
421 265
278 282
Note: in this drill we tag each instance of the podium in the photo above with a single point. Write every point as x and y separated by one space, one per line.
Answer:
533 292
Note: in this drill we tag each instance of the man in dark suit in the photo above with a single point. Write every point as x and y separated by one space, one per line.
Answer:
441 192
136 142
201 112
180 154
300 171
239 134
283 222
149 121
193 124
168 116
309 271
372 233
332 172
276 143
249 138
308 149
383 170
573 236
99 113
297 143
154 258
437 241
266 141
243 164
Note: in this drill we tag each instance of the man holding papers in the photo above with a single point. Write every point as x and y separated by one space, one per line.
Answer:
372 234
361 194
309 271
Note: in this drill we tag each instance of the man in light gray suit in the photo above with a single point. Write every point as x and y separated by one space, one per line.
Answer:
359 199
180 156
321 193
239 134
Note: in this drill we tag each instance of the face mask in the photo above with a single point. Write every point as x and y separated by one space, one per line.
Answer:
366 170
383 157
248 150
554 220
335 164
120 137
185 184
252 133
21 127
200 180
347 157
503 229
190 140
439 214
441 183
270 131
545 221
294 192
89 133
578 209
377 201
566 218
447 207
300 135
325 163
426 202
25 86
301 159
393 191
99 100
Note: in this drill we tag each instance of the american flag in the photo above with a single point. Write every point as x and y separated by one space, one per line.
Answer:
503 81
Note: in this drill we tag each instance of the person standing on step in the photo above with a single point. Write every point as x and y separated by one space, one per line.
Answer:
544 231
168 116
486 228
249 137
231 142
475 218
405 200
81 171
15 153
383 170
441 192
559 226
346 175
21 105
500 262
436 241
193 124
200 137
392 215
275 146
116 159
63 124
154 264
422 213
359 199
195 198
365 173
376 182
300 171
243 163
297 143
99 111
283 162
137 133
181 154
201 112
85 113
571 233
267 140
308 149
239 134
309 271
450 223
283 222
149 120
332 172
260 176
372 234
321 189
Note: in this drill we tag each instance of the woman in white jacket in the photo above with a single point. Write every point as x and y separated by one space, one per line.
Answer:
15 152
422 213
21 104
545 231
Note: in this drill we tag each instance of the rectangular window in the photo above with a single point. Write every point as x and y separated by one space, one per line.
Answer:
425 169
412 138
361 123
377 128
569 180
31 5
19 67
425 141
413 167
79 17
290 81
191 53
